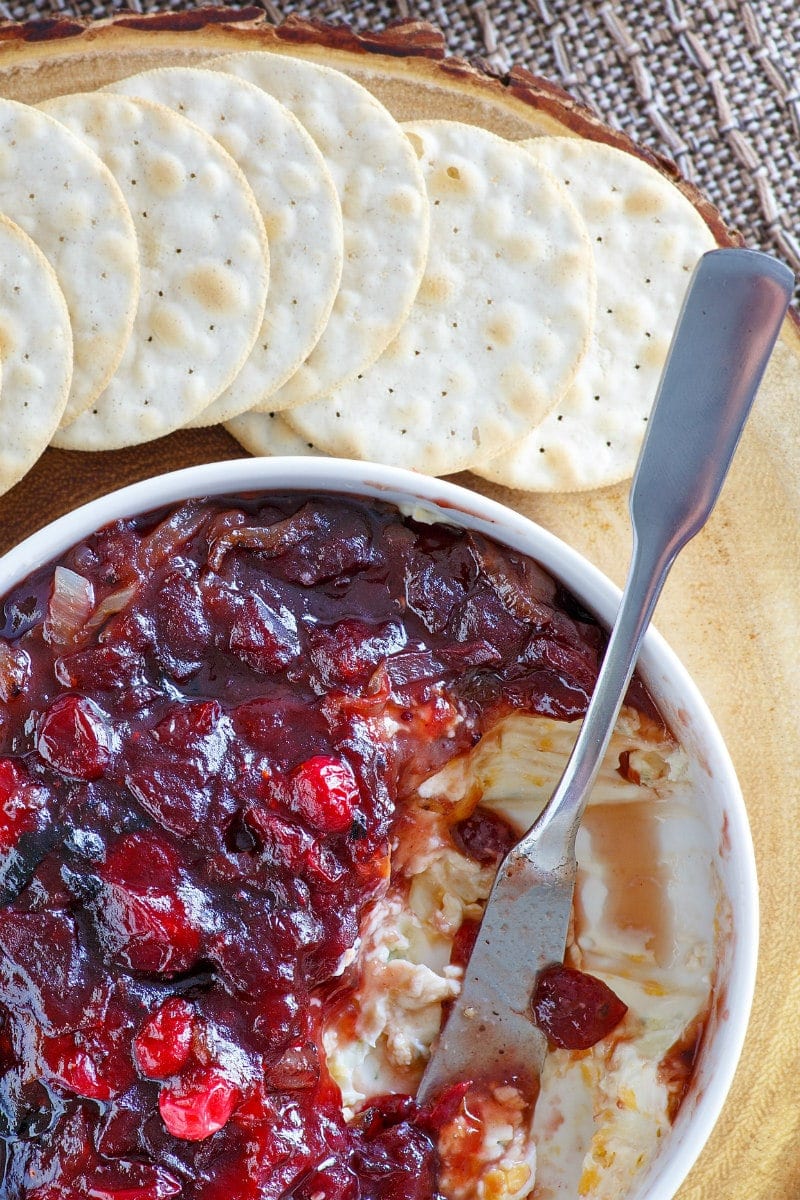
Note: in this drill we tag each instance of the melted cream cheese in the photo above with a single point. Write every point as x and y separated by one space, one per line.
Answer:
644 921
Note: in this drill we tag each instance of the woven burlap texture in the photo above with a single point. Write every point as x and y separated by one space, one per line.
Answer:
715 86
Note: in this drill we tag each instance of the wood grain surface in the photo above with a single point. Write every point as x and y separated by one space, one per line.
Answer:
731 609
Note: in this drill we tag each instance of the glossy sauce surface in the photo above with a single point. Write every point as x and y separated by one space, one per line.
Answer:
209 719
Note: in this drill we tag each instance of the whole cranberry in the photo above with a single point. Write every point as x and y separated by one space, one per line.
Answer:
199 1104
164 1042
325 793
75 738
573 1009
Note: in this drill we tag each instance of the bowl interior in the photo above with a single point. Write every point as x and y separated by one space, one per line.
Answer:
678 698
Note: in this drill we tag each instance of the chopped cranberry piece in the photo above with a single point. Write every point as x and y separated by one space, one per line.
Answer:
164 1042
150 932
114 668
332 1181
119 1133
484 618
188 724
198 1105
476 653
172 769
44 967
484 836
400 1163
182 627
22 803
263 638
383 1112
432 591
282 843
446 1105
576 664
76 1068
7 1053
299 1068
281 726
575 1010
325 793
142 860
130 1181
351 650
74 738
143 921
464 941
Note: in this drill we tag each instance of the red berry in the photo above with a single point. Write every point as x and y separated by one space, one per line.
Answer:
78 1072
446 1105
131 1181
89 1069
188 724
264 638
199 1104
74 738
144 922
464 942
325 793
22 803
574 1009
484 836
164 1042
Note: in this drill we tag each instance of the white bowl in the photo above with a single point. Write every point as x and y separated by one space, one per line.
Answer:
676 695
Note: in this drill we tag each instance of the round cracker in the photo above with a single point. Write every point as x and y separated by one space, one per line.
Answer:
647 238
298 202
501 321
384 212
67 201
268 434
204 268
35 351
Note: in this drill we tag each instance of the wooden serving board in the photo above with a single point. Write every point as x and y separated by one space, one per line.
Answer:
732 607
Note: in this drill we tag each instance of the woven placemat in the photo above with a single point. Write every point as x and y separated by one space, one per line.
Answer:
713 85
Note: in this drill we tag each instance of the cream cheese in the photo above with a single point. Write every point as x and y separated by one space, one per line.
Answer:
644 922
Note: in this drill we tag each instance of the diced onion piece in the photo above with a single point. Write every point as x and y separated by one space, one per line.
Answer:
71 604
15 670
110 605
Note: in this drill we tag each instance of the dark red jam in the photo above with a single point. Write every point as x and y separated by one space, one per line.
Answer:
198 784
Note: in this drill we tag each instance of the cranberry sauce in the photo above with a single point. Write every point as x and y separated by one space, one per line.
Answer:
208 718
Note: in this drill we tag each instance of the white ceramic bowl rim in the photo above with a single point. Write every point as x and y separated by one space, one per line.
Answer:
661 670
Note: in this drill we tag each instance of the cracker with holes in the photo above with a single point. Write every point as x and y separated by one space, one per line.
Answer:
647 238
384 213
298 202
204 268
35 351
62 195
269 434
500 324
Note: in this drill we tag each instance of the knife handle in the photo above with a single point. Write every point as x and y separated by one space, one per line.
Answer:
727 328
